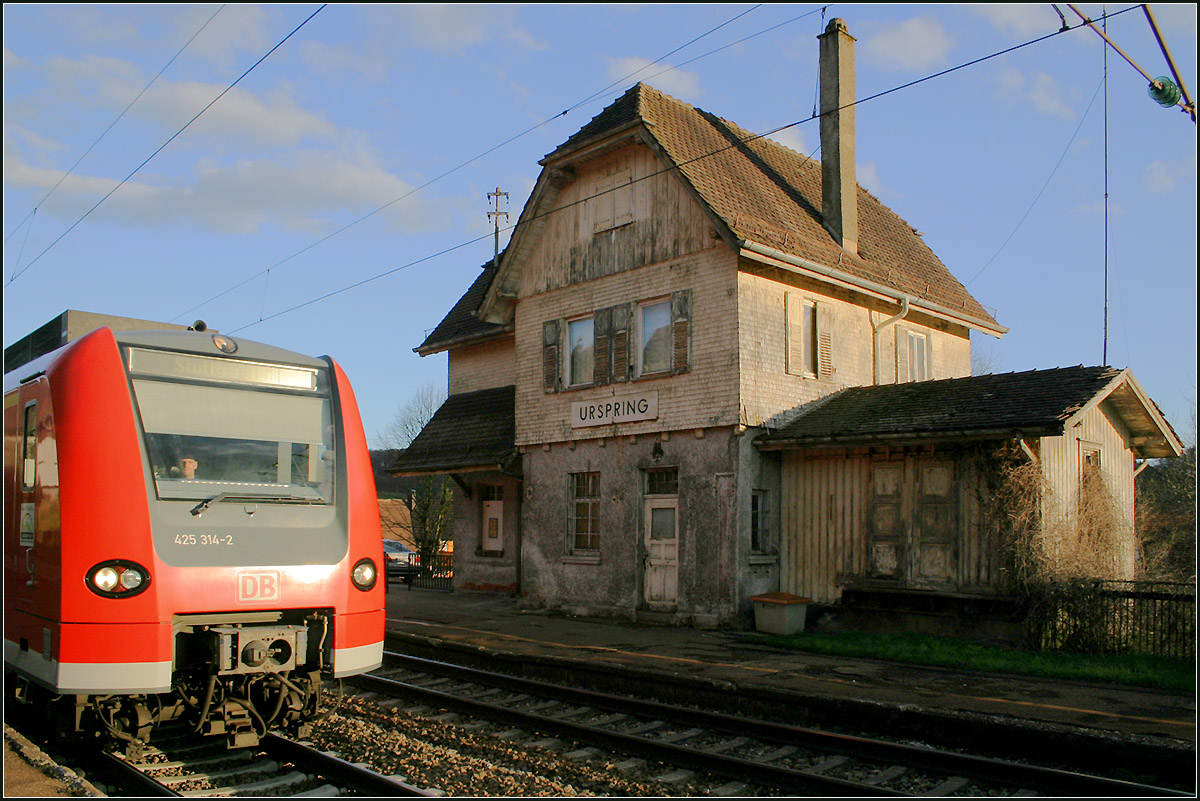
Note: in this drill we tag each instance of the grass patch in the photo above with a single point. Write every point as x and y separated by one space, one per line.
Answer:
921 649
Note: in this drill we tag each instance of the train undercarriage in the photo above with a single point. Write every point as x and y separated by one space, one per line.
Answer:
240 678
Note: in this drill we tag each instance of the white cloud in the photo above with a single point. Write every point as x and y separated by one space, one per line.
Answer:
238 30
1041 91
915 45
239 116
304 191
680 84
868 176
453 28
1022 19
1162 177
792 138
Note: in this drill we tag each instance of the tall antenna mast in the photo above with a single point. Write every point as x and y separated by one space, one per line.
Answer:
494 216
1104 349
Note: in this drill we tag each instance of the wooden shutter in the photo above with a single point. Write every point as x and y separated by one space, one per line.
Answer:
681 325
793 333
901 354
602 339
620 324
602 204
551 360
622 198
825 368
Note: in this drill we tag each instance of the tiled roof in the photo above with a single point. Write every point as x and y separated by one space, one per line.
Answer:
470 430
461 324
771 195
1035 403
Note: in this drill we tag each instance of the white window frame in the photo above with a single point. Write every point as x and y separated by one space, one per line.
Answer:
643 307
593 503
801 321
588 377
918 369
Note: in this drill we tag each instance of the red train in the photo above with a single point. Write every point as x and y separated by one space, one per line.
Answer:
191 536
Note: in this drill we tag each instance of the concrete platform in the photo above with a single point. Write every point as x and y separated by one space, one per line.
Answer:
500 624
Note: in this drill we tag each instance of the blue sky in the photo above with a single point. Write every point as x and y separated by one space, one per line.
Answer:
335 200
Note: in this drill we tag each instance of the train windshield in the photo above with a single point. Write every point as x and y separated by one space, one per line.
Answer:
242 429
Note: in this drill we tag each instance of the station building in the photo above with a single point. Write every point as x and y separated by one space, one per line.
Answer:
635 383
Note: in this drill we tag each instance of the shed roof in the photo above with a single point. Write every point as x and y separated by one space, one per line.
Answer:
471 431
763 195
1031 403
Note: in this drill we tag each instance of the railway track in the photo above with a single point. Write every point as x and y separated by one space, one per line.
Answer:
277 767
741 755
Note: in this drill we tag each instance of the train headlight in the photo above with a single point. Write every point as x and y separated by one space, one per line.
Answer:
132 578
364 574
118 578
106 579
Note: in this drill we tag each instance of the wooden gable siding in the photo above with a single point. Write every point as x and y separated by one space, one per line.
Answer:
621 212
826 524
481 366
1063 470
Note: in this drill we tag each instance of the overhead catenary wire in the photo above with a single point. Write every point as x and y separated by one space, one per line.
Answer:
711 154
118 118
161 147
494 148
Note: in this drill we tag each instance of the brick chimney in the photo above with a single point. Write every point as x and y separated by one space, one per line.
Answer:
839 185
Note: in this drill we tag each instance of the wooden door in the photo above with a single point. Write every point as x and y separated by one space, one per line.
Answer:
935 527
912 537
887 558
662 553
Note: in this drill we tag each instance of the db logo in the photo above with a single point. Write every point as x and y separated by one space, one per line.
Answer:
261 585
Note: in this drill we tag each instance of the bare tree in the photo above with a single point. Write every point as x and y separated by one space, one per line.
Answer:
431 504
412 415
983 357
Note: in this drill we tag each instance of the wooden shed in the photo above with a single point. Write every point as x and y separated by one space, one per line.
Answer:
891 493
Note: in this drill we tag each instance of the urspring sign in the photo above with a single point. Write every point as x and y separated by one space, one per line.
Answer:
621 409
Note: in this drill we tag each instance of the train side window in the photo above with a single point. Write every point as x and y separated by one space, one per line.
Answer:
29 448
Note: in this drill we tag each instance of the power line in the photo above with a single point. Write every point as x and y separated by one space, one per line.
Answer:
494 148
163 145
124 111
711 154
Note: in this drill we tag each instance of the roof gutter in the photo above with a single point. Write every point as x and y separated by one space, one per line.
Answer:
778 442
802 265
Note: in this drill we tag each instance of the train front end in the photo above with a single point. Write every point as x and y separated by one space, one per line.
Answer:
218 543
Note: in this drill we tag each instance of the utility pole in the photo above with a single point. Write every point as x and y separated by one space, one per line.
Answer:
494 216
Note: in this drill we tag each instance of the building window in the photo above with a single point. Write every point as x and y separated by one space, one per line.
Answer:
654 352
918 356
760 521
585 511
664 481
808 337
581 351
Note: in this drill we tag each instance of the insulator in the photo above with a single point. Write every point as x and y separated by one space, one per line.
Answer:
1166 93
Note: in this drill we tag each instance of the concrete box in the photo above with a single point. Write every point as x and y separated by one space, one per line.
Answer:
779 613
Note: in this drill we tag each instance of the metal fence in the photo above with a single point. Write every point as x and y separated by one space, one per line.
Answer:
1108 617
436 571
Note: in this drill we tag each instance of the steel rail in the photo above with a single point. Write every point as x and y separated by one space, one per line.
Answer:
743 770
334 768
1013 774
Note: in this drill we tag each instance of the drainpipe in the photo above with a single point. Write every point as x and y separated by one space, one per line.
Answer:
889 321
